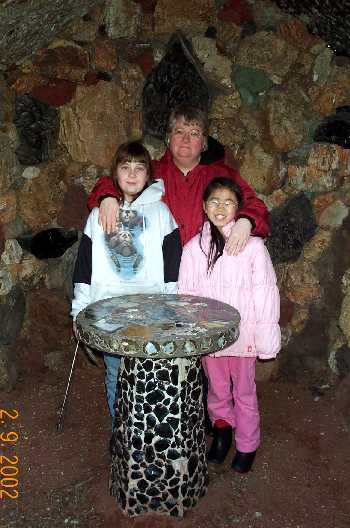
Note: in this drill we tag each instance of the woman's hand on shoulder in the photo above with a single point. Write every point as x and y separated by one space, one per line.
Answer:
239 236
108 213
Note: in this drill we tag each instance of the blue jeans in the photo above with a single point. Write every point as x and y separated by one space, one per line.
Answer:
112 363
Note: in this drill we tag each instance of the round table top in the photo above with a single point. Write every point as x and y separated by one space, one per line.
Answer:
158 325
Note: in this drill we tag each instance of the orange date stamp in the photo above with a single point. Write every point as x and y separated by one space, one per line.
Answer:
8 461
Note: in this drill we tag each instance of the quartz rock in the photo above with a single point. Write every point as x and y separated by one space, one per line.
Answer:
104 55
96 122
333 216
344 319
230 132
12 253
31 271
332 94
268 52
216 66
6 281
322 66
9 167
30 173
227 37
286 121
251 83
39 199
122 18
170 15
317 246
302 285
63 60
59 273
261 169
267 15
226 106
325 169
295 31
8 207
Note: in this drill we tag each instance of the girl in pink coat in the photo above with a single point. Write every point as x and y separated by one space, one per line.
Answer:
246 281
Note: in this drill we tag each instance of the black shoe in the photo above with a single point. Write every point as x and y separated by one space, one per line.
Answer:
220 445
242 462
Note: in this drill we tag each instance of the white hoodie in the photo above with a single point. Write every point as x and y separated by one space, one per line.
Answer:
141 256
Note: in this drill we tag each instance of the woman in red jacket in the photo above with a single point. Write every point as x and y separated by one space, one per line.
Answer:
186 174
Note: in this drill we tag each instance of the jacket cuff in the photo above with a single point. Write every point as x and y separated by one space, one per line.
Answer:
251 220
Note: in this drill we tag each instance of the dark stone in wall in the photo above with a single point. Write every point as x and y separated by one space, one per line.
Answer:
308 351
50 243
177 79
12 309
8 368
343 361
38 126
2 240
330 19
28 26
335 128
292 225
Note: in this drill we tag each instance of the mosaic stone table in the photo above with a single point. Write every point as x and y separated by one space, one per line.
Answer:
158 443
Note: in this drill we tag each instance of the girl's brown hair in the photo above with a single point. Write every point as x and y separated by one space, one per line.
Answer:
131 151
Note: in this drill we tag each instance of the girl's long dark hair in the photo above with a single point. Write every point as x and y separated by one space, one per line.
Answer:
217 240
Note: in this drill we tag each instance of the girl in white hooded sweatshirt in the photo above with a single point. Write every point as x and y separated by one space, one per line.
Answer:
142 254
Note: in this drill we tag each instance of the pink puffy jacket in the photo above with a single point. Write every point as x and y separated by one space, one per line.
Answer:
247 282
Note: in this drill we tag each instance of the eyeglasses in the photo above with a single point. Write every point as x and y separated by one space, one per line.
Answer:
214 203
193 134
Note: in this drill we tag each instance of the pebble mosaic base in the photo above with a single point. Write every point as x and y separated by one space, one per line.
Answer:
158 443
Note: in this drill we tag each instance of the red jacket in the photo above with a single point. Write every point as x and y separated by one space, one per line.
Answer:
183 195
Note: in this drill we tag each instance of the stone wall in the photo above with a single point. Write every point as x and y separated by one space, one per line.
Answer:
279 102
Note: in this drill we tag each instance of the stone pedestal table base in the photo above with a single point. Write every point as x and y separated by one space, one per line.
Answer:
158 444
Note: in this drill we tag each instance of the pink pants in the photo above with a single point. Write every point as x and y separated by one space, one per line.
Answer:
232 397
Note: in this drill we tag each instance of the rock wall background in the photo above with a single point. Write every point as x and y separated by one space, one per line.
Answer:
279 101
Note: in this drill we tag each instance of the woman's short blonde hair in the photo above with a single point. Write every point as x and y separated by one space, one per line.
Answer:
190 114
